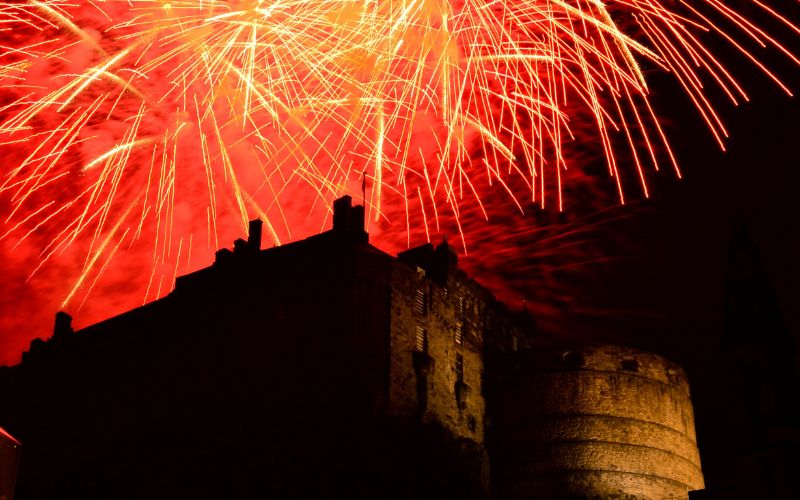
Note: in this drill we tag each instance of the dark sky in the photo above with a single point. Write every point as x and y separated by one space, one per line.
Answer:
682 233
668 292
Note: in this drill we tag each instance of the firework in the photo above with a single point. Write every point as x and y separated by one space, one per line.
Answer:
158 128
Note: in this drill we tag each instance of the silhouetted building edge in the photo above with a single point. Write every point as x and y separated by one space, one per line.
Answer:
326 367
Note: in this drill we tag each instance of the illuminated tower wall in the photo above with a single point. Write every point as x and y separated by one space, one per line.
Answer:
594 422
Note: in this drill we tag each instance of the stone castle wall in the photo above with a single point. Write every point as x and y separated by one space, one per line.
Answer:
273 362
464 417
595 422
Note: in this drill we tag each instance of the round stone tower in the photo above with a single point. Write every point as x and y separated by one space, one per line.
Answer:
596 421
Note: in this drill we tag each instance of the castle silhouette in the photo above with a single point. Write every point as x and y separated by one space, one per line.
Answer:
326 368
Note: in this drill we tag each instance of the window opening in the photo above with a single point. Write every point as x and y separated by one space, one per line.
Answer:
421 342
420 302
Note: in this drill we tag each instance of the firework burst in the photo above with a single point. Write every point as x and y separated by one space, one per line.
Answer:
160 127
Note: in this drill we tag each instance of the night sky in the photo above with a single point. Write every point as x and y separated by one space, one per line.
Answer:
672 279
667 293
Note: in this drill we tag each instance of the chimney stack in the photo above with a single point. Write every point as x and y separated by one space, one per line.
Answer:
342 213
63 325
348 220
445 262
254 235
